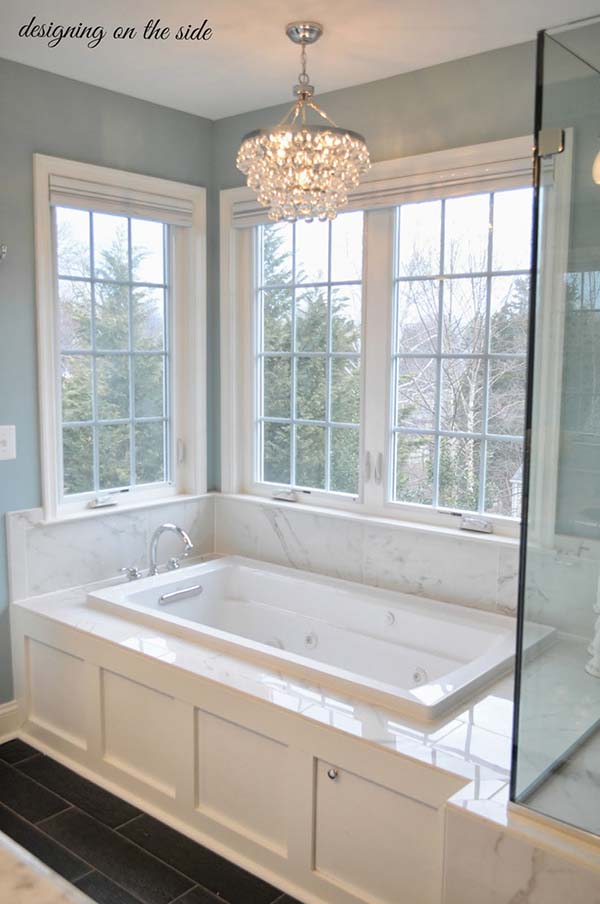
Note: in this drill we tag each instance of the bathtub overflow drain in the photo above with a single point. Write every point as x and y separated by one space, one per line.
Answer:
311 640
390 618
275 642
419 675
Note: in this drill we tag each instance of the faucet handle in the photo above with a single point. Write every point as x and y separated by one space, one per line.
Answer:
173 563
132 573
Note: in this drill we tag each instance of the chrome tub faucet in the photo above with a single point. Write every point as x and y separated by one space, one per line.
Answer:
173 563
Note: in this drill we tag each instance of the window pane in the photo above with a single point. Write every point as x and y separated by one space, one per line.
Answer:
509 313
506 405
149 375
72 242
111 247
416 392
504 478
113 455
420 233
150 452
276 453
310 388
312 251
462 394
346 317
112 316
277 320
277 387
418 316
78 460
345 390
467 234
148 318
75 311
310 456
414 468
76 373
112 387
347 247
344 460
459 473
277 253
463 327
147 251
103 313
311 320
512 229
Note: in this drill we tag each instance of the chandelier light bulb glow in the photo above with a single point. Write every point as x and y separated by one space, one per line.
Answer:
300 170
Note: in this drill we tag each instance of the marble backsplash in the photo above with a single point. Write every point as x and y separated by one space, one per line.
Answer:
471 570
47 556
478 571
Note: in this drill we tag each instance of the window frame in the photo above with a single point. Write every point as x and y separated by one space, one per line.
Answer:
187 356
457 171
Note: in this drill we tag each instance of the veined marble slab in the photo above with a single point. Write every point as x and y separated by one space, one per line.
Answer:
25 880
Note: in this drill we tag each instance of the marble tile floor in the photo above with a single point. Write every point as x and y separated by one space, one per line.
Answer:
107 848
572 793
560 702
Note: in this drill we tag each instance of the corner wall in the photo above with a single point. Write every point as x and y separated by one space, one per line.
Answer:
44 113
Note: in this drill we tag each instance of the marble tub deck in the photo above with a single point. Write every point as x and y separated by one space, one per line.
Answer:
473 742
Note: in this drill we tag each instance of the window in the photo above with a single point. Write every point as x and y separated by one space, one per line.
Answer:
377 362
121 313
308 303
114 308
460 330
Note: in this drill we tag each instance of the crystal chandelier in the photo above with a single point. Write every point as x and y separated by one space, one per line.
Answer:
299 170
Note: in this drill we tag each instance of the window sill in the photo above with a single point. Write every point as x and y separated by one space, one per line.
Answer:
419 527
84 514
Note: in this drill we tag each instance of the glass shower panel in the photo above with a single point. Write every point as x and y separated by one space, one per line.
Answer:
556 768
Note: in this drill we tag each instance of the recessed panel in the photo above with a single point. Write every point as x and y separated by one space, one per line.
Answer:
370 840
242 780
57 692
139 731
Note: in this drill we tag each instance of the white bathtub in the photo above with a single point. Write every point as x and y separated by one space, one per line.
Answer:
414 654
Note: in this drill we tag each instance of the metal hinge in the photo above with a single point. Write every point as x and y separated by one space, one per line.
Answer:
550 142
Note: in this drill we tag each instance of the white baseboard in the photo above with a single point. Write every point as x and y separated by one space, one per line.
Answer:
9 720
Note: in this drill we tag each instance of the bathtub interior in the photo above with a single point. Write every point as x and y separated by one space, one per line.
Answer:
405 646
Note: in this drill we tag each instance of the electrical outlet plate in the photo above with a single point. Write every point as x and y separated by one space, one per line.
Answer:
8 442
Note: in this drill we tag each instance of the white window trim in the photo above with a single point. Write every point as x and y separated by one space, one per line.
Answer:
388 183
188 345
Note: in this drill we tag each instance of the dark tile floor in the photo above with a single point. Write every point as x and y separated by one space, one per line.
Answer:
109 849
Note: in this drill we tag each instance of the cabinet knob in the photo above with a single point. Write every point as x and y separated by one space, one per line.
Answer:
332 774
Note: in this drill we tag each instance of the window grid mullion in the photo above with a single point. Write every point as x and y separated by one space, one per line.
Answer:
168 438
95 431
132 465
481 500
459 434
438 386
101 280
328 368
293 368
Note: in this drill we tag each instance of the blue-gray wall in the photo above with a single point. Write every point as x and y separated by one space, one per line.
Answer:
482 98
45 113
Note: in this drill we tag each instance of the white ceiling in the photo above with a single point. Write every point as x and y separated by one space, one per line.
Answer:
249 63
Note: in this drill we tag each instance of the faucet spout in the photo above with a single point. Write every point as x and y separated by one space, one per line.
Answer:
187 543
